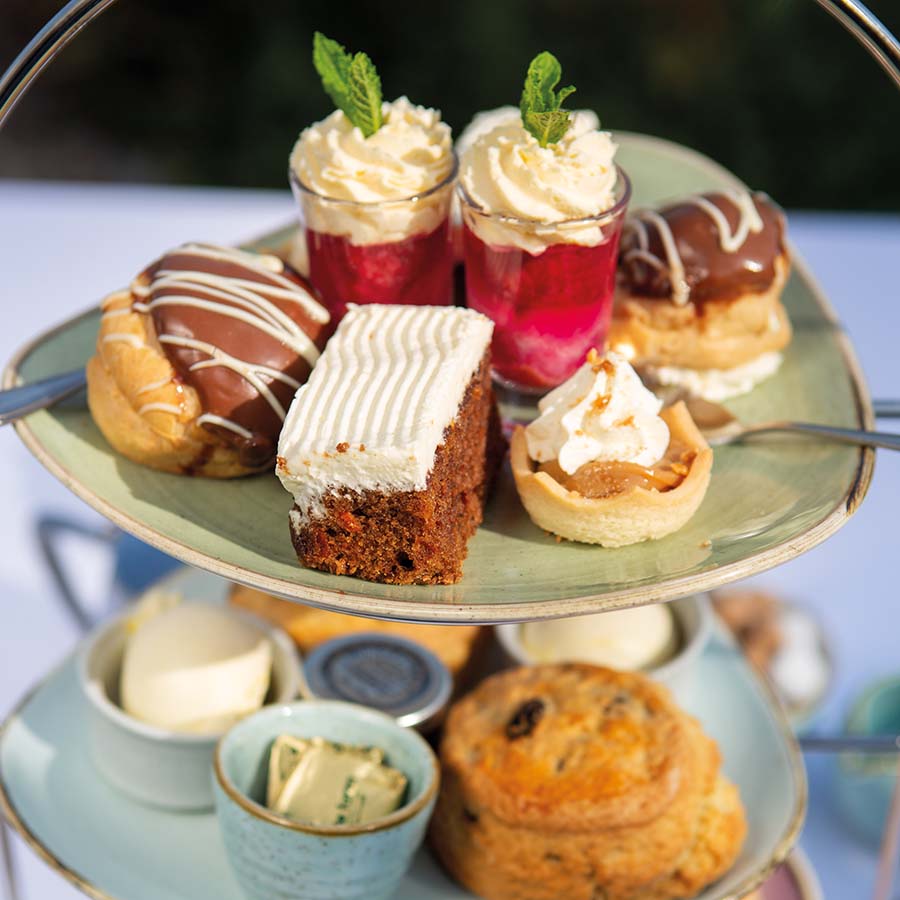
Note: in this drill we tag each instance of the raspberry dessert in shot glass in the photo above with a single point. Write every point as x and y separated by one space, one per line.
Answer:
542 206
374 183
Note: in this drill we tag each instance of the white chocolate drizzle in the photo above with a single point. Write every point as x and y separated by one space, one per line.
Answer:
154 385
749 222
249 371
160 407
117 337
212 419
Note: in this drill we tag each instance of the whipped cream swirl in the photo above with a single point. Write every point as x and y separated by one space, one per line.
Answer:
602 413
408 156
488 119
506 172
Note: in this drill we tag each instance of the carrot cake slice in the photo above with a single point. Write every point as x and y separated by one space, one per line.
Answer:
390 447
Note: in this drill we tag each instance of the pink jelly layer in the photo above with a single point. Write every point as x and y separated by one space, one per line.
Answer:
548 309
416 271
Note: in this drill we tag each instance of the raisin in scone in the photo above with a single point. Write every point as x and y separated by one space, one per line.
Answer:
574 781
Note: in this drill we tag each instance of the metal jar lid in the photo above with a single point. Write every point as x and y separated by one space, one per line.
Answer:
383 671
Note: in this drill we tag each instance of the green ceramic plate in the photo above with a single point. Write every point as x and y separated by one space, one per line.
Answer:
112 847
768 501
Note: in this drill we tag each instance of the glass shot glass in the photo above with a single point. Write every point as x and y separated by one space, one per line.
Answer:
548 286
387 251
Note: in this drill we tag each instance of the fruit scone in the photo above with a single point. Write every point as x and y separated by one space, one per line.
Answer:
576 781
455 645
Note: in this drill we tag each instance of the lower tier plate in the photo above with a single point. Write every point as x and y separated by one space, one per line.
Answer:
112 847
768 501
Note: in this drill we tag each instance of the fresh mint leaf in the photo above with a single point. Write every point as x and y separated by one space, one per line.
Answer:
365 95
540 106
543 75
351 82
564 92
548 127
332 62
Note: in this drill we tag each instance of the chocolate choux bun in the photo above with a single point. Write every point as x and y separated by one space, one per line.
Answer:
197 362
699 291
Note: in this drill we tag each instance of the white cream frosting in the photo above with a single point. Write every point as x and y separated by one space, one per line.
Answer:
625 639
716 384
603 412
409 155
506 172
389 382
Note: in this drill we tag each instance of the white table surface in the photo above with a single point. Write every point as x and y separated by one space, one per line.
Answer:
62 246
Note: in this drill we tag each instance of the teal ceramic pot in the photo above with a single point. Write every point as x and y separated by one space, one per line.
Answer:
275 857
864 782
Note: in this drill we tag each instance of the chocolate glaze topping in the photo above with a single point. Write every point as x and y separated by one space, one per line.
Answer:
714 246
243 329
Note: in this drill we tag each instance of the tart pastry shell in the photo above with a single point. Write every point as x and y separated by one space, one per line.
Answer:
634 515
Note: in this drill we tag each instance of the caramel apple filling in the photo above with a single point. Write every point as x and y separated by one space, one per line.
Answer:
601 479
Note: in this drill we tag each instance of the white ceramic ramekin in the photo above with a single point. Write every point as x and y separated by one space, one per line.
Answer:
693 616
158 767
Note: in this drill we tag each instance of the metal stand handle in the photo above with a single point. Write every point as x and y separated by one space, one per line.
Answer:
43 47
10 890
854 436
870 31
854 16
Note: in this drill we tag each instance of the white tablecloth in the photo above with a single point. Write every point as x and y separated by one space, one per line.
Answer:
62 246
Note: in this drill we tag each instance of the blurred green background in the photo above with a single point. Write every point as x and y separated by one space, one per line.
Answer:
216 92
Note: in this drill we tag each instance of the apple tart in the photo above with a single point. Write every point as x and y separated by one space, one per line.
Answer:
604 464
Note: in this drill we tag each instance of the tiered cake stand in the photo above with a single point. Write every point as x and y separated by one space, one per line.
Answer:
767 503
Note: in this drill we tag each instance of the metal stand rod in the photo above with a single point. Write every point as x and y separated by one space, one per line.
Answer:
873 34
854 16
10 890
43 47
